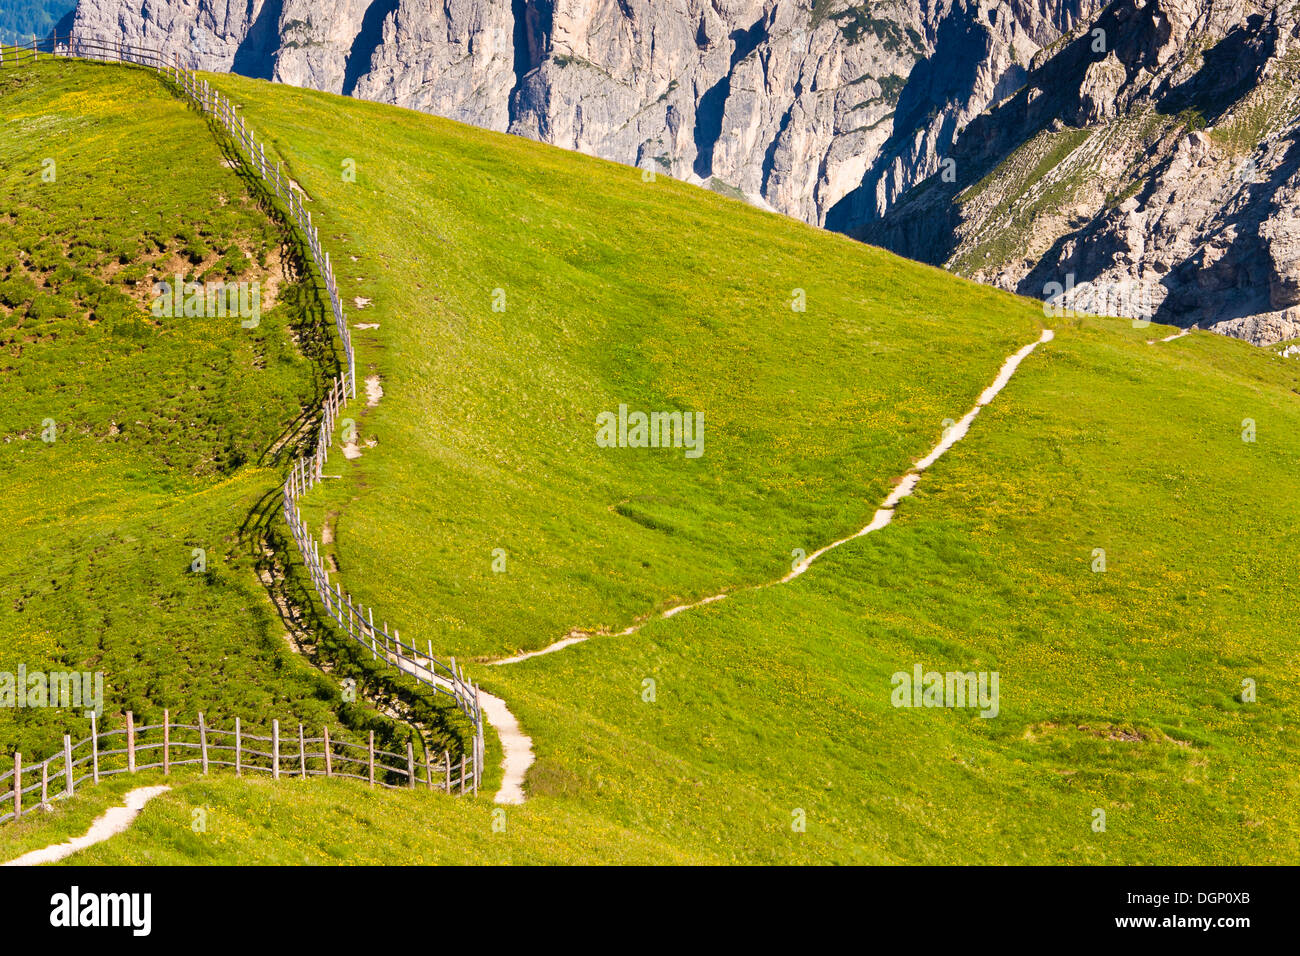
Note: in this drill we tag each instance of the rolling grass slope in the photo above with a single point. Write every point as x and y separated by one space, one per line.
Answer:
616 291
1120 690
168 434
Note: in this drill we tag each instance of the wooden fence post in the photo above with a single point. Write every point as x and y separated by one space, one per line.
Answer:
329 760
130 742
203 741
45 783
207 98
18 785
275 749
446 756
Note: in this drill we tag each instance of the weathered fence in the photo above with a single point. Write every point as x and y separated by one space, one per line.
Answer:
135 748
354 620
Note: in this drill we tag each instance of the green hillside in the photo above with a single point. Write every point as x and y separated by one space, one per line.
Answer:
616 291
1120 689
132 446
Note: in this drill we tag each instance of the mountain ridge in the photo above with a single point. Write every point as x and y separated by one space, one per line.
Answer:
1165 160
791 104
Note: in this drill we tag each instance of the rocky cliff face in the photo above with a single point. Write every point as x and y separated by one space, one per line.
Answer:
1149 166
827 110
997 137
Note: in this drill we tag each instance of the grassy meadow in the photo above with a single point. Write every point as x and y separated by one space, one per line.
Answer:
1121 690
760 729
130 443
611 291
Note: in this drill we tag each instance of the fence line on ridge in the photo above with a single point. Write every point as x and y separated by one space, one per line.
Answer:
355 620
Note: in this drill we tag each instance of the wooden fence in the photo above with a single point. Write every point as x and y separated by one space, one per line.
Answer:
354 620
138 747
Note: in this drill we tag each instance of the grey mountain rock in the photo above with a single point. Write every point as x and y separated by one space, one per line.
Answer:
1160 154
795 104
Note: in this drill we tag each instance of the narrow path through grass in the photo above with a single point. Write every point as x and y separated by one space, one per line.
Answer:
884 514
109 824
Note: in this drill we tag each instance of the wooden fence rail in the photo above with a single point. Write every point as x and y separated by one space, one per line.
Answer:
357 622
136 748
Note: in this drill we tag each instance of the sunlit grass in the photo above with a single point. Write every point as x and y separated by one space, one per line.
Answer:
133 446
712 736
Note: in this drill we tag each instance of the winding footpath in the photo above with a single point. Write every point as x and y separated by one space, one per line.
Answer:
109 824
883 516
516 745
1170 338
